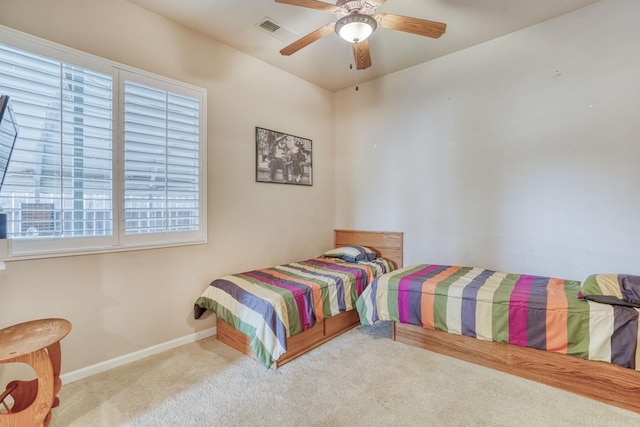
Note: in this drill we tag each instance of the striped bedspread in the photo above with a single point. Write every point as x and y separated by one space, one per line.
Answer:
529 311
271 304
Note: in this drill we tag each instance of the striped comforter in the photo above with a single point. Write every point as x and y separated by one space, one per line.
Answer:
271 304
530 311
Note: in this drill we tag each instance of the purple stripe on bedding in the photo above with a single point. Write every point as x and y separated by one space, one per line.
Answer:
630 288
410 285
374 301
518 303
537 314
625 331
469 302
305 311
264 308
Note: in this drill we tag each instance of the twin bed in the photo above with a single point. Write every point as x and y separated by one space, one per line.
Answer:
279 313
545 329
580 337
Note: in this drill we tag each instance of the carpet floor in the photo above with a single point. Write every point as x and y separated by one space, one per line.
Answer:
360 378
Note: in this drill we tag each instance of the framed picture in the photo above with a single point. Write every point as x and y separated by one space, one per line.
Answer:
283 158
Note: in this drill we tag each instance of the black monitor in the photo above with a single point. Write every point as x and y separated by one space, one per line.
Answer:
8 135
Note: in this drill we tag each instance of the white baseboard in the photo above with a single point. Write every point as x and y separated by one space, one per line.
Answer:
79 374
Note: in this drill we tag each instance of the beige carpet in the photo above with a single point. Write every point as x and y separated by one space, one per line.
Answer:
361 378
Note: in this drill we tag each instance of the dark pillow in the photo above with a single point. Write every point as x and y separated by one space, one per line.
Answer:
617 289
352 253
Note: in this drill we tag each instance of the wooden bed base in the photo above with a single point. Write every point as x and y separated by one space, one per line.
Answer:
601 381
297 344
386 244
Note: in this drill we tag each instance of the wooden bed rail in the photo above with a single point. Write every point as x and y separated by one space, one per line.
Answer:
601 381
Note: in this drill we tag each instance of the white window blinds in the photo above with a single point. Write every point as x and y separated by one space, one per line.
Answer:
161 150
59 181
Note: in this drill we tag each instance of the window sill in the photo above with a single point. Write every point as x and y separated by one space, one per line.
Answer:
7 254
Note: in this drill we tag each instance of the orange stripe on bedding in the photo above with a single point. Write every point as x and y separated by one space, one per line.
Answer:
557 316
427 312
315 290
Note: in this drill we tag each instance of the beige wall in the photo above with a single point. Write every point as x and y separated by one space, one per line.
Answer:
520 154
123 302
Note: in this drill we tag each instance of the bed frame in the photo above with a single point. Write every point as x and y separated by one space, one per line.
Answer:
601 381
386 244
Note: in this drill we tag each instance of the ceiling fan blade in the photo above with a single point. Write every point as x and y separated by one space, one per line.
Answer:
378 3
312 4
362 54
308 39
407 24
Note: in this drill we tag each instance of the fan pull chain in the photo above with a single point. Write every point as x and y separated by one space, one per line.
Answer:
351 68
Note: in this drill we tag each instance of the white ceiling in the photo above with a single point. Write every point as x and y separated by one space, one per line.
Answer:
326 62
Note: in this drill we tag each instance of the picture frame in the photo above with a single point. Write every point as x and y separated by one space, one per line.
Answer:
282 158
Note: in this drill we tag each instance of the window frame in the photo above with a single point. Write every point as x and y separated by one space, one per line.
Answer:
25 248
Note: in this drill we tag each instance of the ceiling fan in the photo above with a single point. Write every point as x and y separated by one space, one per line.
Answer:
356 21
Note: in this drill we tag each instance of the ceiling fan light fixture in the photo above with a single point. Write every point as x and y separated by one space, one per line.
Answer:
355 27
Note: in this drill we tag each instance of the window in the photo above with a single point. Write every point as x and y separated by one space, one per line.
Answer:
107 158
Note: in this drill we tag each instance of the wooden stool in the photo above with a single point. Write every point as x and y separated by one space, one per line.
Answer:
36 343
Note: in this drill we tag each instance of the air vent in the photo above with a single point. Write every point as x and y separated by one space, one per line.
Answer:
270 26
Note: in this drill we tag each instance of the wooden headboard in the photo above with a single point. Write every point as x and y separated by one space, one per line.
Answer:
388 244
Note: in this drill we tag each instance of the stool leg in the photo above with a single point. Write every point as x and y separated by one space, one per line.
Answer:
36 413
56 360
